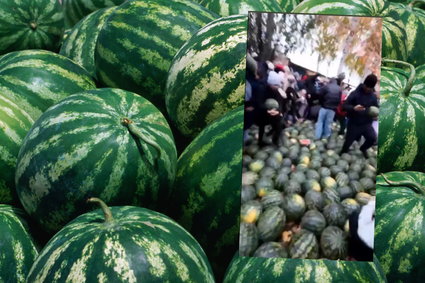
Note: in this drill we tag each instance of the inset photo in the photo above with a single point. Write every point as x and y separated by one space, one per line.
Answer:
310 136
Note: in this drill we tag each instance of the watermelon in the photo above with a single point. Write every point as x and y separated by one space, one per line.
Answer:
80 44
271 223
248 239
30 82
335 214
333 243
250 211
313 221
314 200
350 206
207 76
393 29
75 10
138 41
271 249
292 187
373 111
331 196
272 198
30 24
399 232
413 19
265 270
328 183
288 5
18 250
401 140
36 79
121 244
263 185
105 142
240 7
363 198
304 245
256 165
206 193
248 193
294 206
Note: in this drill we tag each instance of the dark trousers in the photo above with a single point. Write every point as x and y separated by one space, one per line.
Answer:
354 132
277 127
342 124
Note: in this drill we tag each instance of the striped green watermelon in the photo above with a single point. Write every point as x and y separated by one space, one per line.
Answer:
30 82
271 249
122 244
313 221
14 125
304 245
18 251
238 7
266 270
334 243
80 44
271 224
30 24
248 238
414 21
401 140
288 5
207 76
206 192
399 227
75 10
138 41
105 142
393 30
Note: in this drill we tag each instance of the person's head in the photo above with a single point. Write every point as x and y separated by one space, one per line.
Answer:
370 83
332 81
279 68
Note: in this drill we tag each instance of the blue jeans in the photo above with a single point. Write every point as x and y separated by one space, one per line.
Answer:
324 123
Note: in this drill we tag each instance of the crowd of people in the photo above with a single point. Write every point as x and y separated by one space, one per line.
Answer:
277 95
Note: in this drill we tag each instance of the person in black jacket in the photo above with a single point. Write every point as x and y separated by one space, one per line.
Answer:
359 121
329 98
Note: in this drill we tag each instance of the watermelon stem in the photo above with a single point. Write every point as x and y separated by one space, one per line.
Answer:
33 25
410 184
106 210
412 75
133 129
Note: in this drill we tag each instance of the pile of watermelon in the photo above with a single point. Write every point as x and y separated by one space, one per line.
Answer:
297 198
135 105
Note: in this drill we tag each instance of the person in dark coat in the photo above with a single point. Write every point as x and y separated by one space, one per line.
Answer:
359 121
329 98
